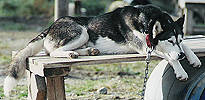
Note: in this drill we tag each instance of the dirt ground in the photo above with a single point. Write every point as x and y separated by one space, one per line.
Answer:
122 80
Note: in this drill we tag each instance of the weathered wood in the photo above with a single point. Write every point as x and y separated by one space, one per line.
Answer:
190 22
36 87
56 88
194 1
37 69
77 7
55 72
196 44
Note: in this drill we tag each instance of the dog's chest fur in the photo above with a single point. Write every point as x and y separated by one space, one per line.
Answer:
108 46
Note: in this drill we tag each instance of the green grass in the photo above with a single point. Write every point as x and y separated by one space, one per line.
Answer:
1 93
127 86
19 93
4 59
84 87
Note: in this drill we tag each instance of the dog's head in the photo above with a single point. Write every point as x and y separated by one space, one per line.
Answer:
169 36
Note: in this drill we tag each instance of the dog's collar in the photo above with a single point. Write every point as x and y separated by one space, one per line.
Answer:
148 41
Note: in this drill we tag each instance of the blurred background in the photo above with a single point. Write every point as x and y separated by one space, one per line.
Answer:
35 15
21 20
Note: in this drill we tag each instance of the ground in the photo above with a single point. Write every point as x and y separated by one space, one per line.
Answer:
122 80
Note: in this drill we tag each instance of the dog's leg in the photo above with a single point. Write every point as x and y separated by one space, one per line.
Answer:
88 51
192 58
63 53
74 54
178 70
67 50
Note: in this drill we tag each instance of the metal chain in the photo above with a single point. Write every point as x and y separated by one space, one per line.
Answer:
147 59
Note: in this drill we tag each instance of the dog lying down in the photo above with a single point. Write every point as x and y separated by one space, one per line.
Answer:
119 32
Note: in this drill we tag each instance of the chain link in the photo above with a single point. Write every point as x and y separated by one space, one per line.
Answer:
147 59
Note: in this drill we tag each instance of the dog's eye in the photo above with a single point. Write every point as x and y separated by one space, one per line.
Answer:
180 41
170 41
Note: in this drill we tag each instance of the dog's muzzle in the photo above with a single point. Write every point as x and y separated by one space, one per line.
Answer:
181 56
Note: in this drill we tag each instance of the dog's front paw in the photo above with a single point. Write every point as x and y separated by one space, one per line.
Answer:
73 55
195 63
182 76
93 52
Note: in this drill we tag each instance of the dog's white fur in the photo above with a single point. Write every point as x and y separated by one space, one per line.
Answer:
171 54
9 83
192 58
108 46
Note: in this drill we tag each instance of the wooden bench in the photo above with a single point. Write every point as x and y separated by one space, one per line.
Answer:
46 74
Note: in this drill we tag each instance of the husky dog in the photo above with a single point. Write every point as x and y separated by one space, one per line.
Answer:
125 30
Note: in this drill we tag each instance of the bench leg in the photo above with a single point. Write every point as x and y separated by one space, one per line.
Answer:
55 88
36 87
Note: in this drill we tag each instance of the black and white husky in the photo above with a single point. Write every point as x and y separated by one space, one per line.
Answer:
125 30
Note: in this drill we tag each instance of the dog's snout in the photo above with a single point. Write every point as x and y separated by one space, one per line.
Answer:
181 56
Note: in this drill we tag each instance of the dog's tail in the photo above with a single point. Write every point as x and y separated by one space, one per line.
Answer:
18 64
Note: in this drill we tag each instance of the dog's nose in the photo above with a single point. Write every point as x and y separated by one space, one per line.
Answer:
181 56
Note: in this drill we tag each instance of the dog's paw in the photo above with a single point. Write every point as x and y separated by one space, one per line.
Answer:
182 76
195 63
73 55
93 52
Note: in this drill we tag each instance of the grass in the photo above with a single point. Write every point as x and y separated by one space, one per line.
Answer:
19 93
128 85
4 59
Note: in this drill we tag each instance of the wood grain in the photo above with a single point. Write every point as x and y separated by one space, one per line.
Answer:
55 88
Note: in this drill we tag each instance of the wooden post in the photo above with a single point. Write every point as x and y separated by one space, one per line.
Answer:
56 88
48 87
77 7
61 8
190 22
45 83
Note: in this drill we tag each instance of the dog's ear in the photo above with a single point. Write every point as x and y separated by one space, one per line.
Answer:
157 28
180 21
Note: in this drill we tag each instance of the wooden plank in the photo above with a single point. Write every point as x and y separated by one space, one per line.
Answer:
105 59
87 60
54 72
56 88
37 68
197 45
194 1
